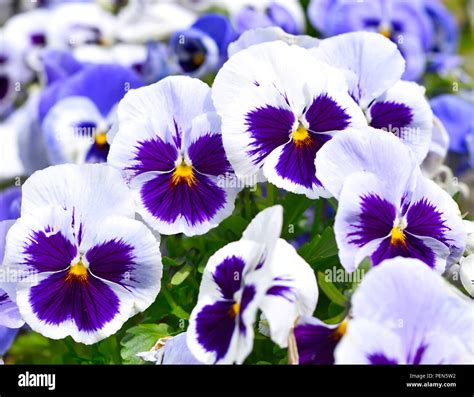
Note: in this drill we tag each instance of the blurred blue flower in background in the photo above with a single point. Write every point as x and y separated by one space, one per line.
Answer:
202 48
423 29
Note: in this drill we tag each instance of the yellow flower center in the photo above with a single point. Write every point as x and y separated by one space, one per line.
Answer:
301 136
183 173
385 30
198 59
77 272
101 139
235 310
340 331
397 236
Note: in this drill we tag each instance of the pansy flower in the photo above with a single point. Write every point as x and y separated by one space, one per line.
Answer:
260 271
84 265
169 146
78 112
373 67
202 48
290 105
387 208
403 313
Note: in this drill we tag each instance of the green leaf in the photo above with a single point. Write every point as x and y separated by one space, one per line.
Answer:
331 291
140 339
169 262
320 247
181 275
294 205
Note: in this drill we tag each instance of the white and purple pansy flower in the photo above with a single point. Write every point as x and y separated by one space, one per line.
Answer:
260 271
169 146
389 209
84 265
373 67
290 105
79 111
403 313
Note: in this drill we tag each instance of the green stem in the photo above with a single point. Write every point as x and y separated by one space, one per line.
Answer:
169 298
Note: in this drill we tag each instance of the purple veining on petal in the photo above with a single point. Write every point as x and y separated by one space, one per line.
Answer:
197 203
154 155
282 291
424 219
228 276
49 253
248 294
413 247
316 344
416 360
214 328
177 134
91 304
269 128
390 115
324 114
296 162
112 260
381 359
208 156
375 220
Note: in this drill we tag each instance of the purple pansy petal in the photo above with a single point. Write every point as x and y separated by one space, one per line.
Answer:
7 336
435 215
154 155
228 276
404 111
130 259
208 156
215 328
183 208
57 305
324 115
365 211
269 128
316 341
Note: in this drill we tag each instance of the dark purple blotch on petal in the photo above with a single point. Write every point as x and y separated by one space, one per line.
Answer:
269 128
296 161
197 203
316 343
49 253
90 303
381 359
248 294
390 115
112 260
324 114
215 326
228 276
154 155
413 247
375 220
208 156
